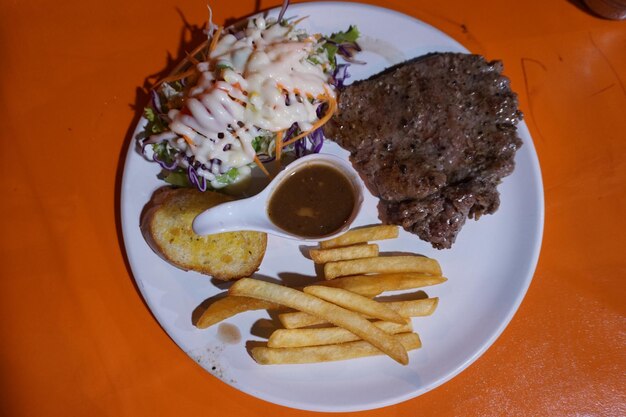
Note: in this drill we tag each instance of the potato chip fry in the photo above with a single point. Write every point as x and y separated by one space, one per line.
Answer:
411 308
384 264
365 234
310 354
328 335
321 256
339 316
228 306
379 283
355 302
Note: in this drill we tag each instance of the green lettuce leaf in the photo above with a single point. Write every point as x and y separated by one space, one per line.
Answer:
177 178
228 177
350 35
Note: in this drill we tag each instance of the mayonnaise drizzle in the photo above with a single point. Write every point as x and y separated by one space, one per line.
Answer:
266 84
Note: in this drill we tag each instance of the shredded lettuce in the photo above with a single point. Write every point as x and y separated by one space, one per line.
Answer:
313 60
155 124
228 177
264 144
164 152
171 95
222 65
331 45
350 35
178 178
256 143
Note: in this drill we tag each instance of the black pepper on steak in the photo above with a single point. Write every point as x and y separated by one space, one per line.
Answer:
433 137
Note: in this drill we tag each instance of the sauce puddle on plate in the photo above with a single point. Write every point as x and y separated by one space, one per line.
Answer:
313 201
228 333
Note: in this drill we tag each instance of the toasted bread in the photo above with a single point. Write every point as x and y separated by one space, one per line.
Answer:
166 226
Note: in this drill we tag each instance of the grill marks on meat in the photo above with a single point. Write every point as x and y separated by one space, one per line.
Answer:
433 137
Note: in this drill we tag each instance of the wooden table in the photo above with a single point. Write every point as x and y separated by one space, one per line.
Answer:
77 338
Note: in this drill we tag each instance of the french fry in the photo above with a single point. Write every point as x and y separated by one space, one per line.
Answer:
228 306
368 292
328 335
321 256
365 234
355 302
384 264
379 283
411 308
310 354
339 316
415 308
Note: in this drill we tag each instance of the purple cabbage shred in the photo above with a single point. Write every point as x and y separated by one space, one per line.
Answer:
317 140
283 9
194 179
340 75
164 164
156 101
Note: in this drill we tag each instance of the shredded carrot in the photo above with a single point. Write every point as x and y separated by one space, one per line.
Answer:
279 141
193 53
192 59
200 47
260 165
332 107
216 37
322 97
295 22
175 77
189 141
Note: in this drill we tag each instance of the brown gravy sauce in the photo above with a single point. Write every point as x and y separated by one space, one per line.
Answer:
228 333
315 200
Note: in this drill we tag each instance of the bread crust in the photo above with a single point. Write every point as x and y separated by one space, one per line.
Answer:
166 226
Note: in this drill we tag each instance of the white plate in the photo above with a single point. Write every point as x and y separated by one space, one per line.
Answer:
489 268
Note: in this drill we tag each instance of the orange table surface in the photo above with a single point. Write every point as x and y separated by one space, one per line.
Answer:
77 338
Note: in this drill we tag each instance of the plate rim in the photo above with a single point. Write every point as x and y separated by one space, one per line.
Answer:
513 308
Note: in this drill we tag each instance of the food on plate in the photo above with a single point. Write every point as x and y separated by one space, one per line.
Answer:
246 96
341 351
362 235
321 256
347 303
336 315
315 200
354 302
282 338
379 283
432 137
382 265
408 308
225 307
166 226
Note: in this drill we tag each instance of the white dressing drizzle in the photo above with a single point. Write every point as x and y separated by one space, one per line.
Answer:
261 82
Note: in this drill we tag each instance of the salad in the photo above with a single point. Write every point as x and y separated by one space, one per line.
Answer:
245 97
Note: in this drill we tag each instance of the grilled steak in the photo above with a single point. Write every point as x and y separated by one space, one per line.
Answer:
432 137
